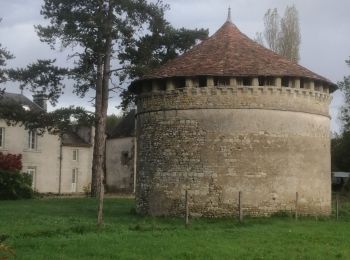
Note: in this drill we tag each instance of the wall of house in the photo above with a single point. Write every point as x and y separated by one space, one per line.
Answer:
44 159
83 165
269 143
86 133
119 165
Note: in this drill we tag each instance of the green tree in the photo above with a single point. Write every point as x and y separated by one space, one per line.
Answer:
111 39
341 152
272 29
289 37
41 77
345 110
341 142
58 121
112 121
161 44
4 56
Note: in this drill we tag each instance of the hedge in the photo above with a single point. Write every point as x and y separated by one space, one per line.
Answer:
15 185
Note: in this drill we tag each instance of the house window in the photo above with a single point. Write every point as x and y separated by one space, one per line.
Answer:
74 180
32 173
32 140
124 158
2 137
75 155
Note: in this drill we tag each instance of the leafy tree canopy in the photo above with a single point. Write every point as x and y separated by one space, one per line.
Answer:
282 35
345 110
57 122
341 152
42 76
141 38
341 142
4 56
112 121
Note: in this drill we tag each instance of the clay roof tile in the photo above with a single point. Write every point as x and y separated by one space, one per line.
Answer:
229 52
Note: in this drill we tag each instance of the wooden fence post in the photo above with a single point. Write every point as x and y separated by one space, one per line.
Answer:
187 209
337 206
296 205
240 206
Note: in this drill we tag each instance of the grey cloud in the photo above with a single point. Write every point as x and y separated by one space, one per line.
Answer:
324 26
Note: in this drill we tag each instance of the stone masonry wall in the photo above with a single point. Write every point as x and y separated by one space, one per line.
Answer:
215 145
272 98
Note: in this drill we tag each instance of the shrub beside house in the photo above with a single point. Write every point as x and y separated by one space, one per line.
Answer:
14 184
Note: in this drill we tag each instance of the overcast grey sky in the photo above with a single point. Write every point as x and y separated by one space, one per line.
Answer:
325 26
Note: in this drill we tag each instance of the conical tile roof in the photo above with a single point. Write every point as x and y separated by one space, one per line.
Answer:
231 53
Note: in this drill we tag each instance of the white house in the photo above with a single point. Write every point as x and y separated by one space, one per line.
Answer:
57 164
120 156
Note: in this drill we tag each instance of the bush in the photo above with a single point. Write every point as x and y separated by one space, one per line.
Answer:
10 162
87 190
15 185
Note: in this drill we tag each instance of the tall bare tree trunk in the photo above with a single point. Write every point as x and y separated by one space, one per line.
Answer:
97 155
104 108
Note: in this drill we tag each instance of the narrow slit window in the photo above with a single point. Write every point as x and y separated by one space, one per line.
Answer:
239 82
269 81
180 83
162 85
261 81
216 81
223 81
318 86
247 81
285 82
202 82
124 158
2 137
147 87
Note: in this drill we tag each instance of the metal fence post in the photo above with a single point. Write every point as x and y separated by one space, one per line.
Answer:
187 209
296 205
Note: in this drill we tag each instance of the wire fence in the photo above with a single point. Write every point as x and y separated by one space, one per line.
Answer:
340 208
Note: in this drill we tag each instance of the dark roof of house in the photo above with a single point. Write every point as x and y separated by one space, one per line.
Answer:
126 127
341 174
19 98
72 139
68 139
229 52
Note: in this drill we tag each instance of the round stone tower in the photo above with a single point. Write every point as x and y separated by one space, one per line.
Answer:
231 116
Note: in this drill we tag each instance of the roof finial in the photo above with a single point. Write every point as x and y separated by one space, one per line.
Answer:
229 15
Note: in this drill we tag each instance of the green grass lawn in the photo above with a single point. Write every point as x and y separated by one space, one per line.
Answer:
65 229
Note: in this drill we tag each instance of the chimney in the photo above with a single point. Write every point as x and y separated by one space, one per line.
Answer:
41 100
